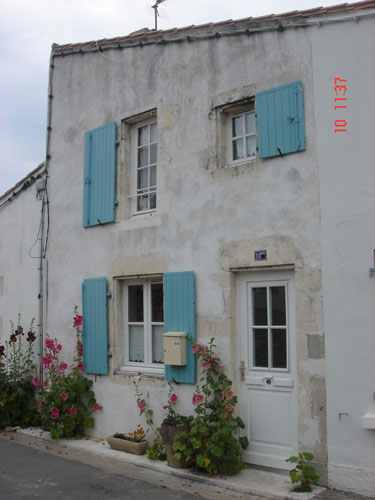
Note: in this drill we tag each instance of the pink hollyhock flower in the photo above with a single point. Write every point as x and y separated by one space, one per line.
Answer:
77 321
97 407
63 396
226 415
230 395
55 413
174 397
63 366
223 396
202 348
72 411
45 383
165 407
200 398
141 405
42 404
80 367
195 400
213 360
206 365
194 348
59 347
229 407
36 381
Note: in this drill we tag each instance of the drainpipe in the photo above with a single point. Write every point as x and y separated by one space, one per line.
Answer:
44 229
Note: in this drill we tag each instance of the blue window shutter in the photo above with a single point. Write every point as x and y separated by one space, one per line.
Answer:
99 183
281 122
95 330
179 316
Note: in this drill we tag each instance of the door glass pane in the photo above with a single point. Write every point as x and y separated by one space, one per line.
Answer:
136 349
279 348
278 306
260 347
157 302
237 128
250 123
250 146
259 306
238 149
135 313
157 344
143 135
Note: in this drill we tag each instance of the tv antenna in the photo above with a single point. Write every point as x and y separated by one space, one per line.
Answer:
156 12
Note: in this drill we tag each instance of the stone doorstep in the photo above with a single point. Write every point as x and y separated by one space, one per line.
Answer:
265 484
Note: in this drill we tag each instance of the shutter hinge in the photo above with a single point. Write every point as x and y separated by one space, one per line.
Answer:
108 294
116 202
87 180
109 353
117 142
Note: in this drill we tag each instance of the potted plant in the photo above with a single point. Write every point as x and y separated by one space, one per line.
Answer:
172 425
133 442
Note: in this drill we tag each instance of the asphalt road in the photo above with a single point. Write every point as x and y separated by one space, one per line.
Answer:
29 473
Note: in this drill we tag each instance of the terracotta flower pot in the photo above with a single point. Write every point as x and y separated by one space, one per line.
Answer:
168 432
129 446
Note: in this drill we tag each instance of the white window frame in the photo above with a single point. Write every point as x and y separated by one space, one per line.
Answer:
134 168
230 137
147 365
269 326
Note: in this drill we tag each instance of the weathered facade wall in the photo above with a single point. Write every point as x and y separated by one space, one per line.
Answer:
347 182
209 218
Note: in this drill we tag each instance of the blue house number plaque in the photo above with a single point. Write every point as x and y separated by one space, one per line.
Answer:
260 255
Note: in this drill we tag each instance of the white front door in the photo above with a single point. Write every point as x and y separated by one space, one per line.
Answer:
267 342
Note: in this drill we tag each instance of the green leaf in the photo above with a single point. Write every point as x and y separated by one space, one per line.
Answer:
244 442
309 472
307 456
240 423
294 476
293 460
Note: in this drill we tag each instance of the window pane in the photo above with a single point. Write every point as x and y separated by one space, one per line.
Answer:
143 135
157 344
157 302
153 132
237 126
153 152
238 149
250 123
135 293
250 146
153 176
142 178
279 349
136 350
152 201
278 305
142 202
260 347
142 157
259 306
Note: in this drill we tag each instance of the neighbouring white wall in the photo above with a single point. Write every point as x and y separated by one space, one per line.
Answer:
347 194
19 275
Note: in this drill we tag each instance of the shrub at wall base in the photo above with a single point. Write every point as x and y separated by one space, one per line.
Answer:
67 399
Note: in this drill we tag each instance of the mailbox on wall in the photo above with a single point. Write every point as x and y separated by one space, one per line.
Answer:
174 348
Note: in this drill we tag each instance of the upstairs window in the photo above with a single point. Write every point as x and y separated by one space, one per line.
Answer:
242 138
144 166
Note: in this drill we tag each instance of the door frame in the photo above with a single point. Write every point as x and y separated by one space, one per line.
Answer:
263 276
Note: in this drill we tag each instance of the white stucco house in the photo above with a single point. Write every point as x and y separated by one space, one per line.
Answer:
216 180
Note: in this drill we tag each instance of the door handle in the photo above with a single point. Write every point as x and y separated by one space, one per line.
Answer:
242 371
268 379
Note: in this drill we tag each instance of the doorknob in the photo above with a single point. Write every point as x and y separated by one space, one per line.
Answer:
242 371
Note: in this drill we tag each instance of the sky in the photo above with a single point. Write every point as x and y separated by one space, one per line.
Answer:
29 27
